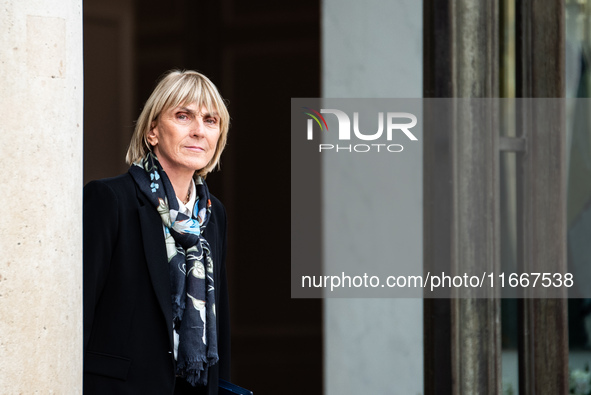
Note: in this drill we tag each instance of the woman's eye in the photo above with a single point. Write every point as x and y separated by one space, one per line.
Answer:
211 121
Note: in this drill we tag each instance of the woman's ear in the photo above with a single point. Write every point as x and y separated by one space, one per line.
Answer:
153 134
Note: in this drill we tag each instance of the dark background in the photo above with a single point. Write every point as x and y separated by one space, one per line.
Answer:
260 54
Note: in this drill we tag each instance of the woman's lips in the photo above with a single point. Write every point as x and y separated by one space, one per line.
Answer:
195 148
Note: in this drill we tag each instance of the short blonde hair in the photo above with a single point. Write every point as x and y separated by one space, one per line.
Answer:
174 89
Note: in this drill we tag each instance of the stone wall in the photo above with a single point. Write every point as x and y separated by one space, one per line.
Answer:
41 210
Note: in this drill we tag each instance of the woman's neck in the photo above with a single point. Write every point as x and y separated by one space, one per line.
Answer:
180 180
180 177
181 184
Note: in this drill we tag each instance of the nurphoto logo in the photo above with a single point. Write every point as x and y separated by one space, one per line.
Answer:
396 123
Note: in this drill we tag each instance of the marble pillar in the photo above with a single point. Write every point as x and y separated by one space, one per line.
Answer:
372 49
41 211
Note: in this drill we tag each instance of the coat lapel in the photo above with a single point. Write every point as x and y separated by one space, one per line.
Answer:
155 250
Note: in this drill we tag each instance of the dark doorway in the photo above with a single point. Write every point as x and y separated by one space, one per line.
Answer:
259 54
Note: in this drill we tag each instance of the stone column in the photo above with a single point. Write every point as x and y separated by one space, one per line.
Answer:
41 210
372 49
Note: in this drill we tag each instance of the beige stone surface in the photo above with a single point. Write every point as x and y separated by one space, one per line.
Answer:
41 197
372 49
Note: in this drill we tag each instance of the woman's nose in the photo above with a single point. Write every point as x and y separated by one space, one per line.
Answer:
197 127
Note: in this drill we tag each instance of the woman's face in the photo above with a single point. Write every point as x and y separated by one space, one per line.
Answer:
185 138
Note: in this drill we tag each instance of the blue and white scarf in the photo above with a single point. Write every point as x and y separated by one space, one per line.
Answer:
190 266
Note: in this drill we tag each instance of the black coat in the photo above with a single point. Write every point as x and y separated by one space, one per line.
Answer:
128 341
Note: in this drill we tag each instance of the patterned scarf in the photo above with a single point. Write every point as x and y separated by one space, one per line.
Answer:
190 266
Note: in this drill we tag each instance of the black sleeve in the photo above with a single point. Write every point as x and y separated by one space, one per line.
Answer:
223 305
100 224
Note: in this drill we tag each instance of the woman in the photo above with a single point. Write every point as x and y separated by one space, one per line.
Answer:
155 297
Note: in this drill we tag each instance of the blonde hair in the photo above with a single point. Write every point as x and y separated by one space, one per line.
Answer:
174 89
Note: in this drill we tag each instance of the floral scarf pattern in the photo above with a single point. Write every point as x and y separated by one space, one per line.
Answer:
190 267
